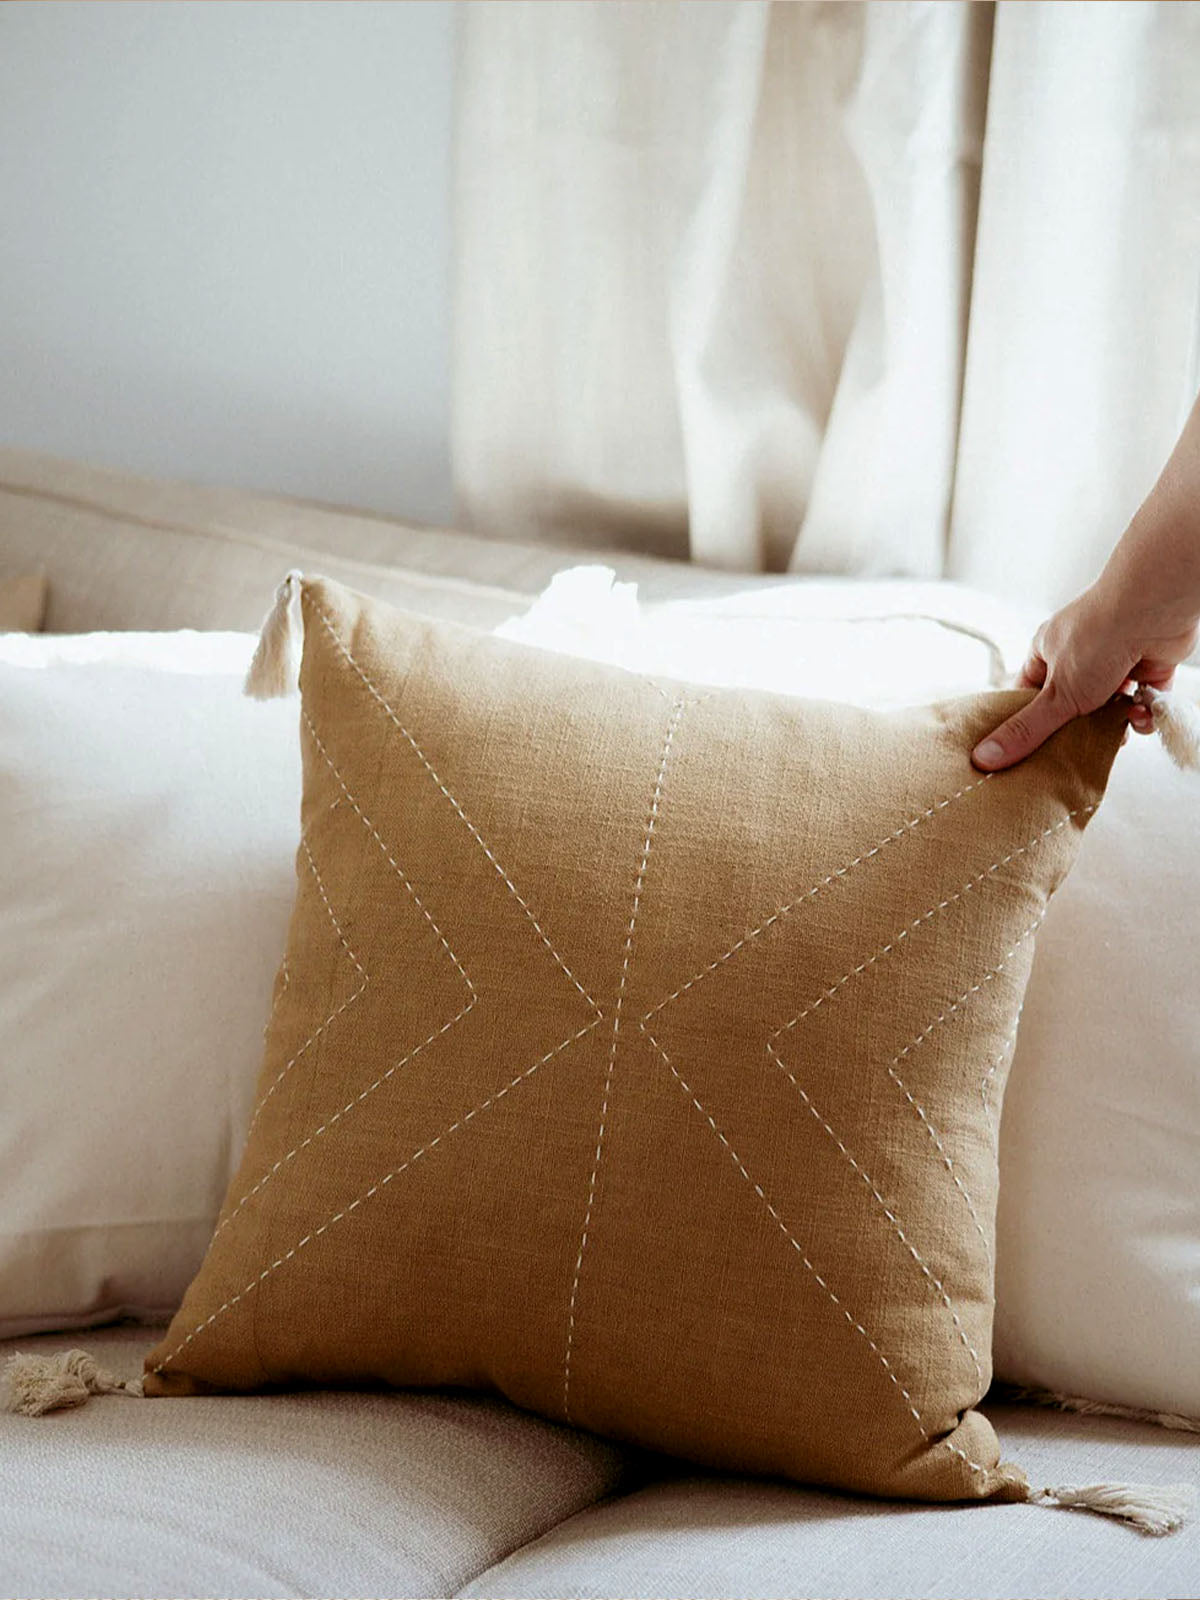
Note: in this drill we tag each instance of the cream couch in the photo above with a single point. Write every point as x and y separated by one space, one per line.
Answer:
357 1494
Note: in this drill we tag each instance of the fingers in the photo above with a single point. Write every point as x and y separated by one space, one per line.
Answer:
1033 674
1155 674
1024 731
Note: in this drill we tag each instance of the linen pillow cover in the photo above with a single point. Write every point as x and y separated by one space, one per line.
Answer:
633 1055
22 603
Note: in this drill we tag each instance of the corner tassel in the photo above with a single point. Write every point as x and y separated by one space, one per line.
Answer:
1154 1508
33 1385
273 671
1177 723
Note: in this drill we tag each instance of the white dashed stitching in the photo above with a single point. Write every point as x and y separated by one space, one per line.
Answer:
404 1060
950 1010
809 894
458 810
897 938
676 714
931 1277
370 1193
333 1015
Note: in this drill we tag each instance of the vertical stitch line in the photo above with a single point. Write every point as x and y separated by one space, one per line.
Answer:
652 820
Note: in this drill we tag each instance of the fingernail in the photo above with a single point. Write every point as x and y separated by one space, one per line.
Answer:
989 752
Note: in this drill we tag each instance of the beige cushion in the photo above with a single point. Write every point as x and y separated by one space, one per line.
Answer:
307 1494
428 1491
129 552
712 1537
22 603
635 1053
139 553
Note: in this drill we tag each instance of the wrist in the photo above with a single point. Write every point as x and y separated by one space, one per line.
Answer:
1150 585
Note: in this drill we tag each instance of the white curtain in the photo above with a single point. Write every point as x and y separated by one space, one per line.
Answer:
852 288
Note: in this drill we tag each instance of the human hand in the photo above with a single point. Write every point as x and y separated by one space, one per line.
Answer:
1094 648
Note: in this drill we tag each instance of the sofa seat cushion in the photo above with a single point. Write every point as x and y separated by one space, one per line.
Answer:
320 1492
710 1535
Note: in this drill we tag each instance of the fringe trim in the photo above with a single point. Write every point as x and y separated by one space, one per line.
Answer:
33 1385
1095 1408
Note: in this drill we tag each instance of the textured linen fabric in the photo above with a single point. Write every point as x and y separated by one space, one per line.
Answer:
635 1056
1083 346
128 552
319 1493
712 1537
875 288
148 825
1098 1230
22 603
732 246
430 1492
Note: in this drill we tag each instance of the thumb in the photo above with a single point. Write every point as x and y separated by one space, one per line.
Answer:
1024 731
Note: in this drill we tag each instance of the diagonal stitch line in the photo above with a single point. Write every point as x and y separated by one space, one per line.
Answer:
930 1276
333 1015
286 984
458 810
387 854
285 974
897 938
985 1088
853 1321
915 1043
404 1060
989 1079
676 714
350 1105
379 1184
809 894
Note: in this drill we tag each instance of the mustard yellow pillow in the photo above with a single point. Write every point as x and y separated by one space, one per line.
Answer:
638 1053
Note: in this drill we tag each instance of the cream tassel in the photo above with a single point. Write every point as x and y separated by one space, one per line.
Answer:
1150 1507
273 671
1177 723
35 1384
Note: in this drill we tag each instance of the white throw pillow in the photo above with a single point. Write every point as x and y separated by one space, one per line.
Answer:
148 819
1098 1229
